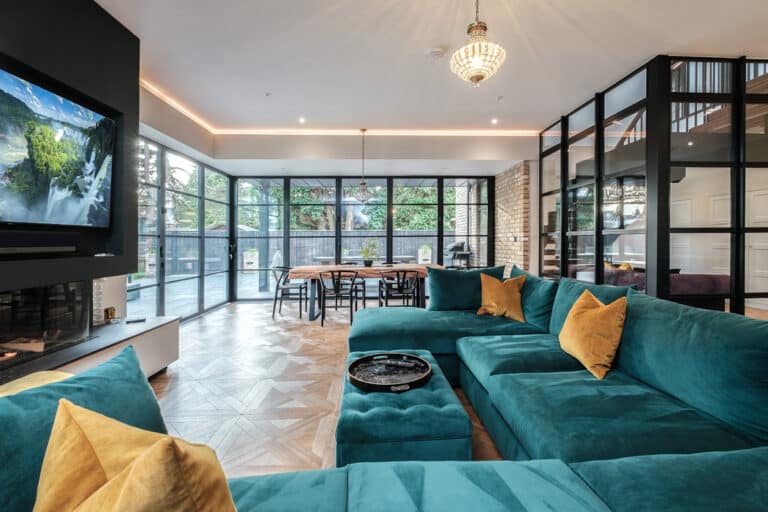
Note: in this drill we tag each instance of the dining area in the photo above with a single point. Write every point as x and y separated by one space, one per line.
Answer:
318 288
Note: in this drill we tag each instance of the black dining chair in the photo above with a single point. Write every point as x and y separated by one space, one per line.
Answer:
287 289
338 286
399 284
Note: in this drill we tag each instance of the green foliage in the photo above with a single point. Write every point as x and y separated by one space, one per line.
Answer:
13 111
47 154
49 161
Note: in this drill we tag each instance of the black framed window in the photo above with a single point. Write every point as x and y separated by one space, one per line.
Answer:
260 214
215 238
415 220
143 285
183 226
465 221
550 216
313 217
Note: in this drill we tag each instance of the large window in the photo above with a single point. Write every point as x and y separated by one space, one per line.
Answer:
465 221
143 287
414 220
183 229
260 217
331 220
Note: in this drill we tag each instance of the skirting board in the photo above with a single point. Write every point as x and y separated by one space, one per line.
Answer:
156 348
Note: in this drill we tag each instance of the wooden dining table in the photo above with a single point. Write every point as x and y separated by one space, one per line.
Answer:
312 274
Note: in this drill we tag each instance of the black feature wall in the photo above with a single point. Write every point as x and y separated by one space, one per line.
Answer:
77 43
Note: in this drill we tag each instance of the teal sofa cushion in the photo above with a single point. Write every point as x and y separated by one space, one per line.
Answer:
717 362
425 423
538 298
569 290
436 331
451 290
734 480
319 491
575 417
468 486
486 356
117 388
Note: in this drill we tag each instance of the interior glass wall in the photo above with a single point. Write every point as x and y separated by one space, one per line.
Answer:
684 157
756 189
580 194
623 209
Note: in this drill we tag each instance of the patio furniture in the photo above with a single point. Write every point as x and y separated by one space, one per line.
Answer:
285 288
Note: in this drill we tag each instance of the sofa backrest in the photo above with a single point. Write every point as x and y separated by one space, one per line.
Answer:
538 297
714 361
569 290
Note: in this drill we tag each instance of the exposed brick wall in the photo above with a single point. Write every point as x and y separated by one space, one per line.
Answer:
513 216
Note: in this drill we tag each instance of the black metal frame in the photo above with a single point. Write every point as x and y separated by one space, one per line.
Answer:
161 236
391 234
658 103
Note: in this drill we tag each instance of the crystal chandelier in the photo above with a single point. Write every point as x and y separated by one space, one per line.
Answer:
479 59
363 193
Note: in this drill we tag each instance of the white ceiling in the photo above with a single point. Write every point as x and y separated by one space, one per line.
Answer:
354 63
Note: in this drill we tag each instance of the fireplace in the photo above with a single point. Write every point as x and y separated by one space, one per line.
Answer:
36 322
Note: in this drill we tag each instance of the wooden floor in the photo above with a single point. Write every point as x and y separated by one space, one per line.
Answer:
264 394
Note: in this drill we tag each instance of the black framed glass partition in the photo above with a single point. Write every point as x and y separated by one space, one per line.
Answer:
184 232
681 150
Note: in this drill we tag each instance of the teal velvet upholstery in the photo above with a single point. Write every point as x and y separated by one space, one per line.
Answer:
715 361
494 355
451 290
387 329
574 417
503 437
117 388
319 491
538 296
569 290
426 423
469 486
734 480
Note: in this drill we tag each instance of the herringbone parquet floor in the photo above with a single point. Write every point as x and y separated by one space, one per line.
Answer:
264 394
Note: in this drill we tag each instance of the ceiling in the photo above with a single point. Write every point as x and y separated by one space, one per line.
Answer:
345 64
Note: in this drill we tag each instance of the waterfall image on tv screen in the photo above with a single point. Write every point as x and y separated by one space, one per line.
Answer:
55 158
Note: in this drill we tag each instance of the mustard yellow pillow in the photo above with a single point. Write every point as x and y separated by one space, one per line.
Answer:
502 298
625 266
592 332
95 463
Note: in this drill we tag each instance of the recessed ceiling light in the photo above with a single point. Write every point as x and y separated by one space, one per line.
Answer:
495 120
302 120
690 143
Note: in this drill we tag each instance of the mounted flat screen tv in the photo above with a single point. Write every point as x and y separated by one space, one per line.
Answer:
55 158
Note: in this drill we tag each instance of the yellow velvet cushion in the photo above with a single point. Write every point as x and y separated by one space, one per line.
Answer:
502 298
592 332
625 266
95 463
33 380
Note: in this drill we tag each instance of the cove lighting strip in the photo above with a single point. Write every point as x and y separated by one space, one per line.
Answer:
182 109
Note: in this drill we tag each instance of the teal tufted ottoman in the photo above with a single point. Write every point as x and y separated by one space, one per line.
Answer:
426 423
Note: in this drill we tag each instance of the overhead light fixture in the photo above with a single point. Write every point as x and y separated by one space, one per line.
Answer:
495 120
302 120
363 194
479 59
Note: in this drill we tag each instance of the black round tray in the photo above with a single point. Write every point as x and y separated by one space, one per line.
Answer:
393 372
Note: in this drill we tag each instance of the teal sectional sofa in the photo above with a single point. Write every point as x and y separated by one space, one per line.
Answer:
722 481
685 380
